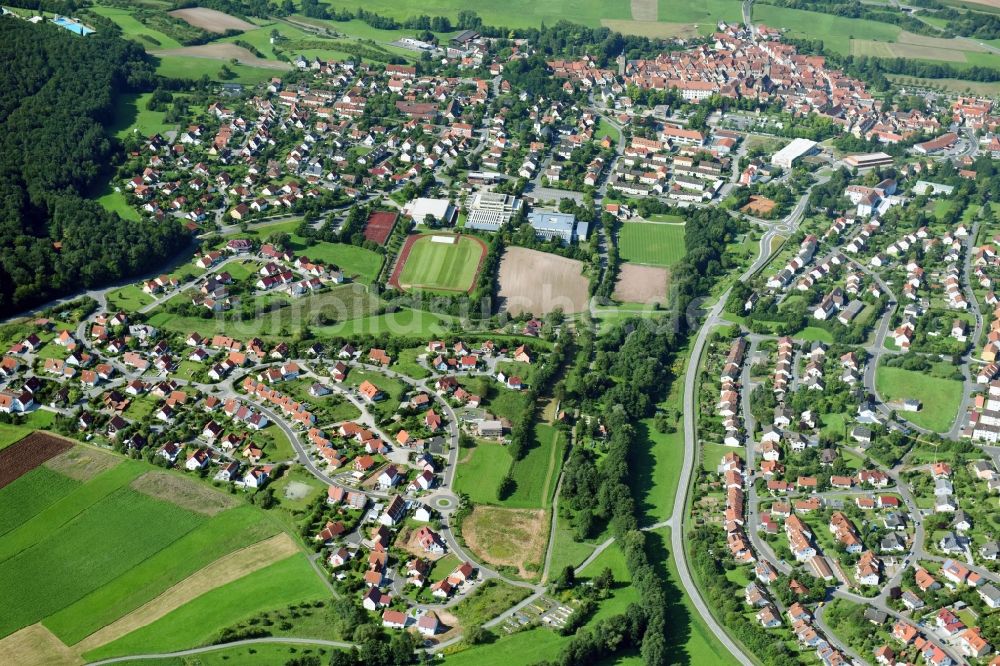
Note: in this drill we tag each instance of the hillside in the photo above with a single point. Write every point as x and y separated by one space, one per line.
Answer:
57 91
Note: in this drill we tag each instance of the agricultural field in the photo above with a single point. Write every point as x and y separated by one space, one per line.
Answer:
86 567
439 262
940 396
920 47
223 53
538 282
641 284
27 454
211 19
288 581
659 244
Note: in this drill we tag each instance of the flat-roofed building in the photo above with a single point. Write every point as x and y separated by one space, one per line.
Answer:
488 211
549 225
792 153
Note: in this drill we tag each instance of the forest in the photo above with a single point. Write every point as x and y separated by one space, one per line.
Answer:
58 92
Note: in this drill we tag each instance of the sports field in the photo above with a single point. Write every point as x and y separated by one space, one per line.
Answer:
651 244
439 261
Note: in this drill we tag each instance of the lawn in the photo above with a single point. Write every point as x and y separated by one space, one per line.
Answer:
406 363
413 323
115 202
438 265
605 128
357 263
565 550
492 598
338 304
480 470
289 581
652 244
257 654
535 474
222 534
93 548
129 298
940 397
10 433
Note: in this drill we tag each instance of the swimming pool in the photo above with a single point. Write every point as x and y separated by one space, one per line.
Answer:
72 26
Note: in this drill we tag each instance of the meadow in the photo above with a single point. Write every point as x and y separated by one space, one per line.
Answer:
940 397
437 265
512 14
535 474
651 244
480 471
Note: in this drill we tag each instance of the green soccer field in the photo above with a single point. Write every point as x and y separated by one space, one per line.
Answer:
445 266
652 244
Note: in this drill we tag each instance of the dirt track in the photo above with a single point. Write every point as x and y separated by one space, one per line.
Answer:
539 282
211 20
220 572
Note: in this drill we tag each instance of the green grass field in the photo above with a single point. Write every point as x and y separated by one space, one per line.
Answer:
184 67
218 536
78 555
480 470
940 397
10 433
92 549
536 473
286 582
653 244
835 31
133 29
30 494
513 14
256 654
444 266
129 298
358 263
416 323
131 114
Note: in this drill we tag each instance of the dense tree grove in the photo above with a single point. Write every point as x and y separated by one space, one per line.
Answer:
56 92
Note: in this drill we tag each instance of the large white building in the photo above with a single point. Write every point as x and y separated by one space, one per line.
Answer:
488 211
792 153
440 209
